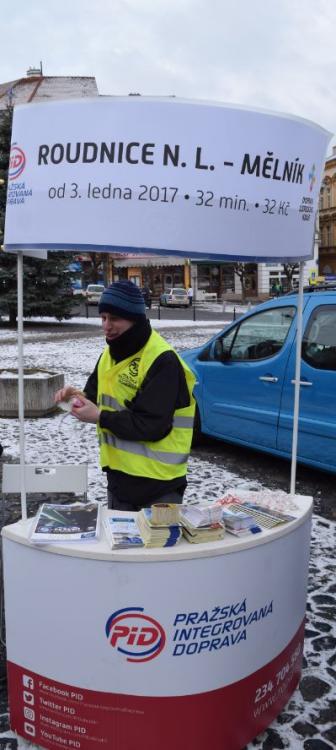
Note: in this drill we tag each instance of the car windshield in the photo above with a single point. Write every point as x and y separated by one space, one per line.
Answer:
95 288
178 291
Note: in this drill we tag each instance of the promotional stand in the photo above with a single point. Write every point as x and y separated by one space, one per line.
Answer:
181 647
177 647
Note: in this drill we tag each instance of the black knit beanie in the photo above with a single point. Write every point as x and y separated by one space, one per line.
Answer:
123 299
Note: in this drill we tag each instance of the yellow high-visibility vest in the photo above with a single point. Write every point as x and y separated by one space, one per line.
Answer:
119 382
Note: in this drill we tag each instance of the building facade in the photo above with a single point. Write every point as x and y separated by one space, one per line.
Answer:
327 212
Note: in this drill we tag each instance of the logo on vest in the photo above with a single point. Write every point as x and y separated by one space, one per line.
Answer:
129 378
134 367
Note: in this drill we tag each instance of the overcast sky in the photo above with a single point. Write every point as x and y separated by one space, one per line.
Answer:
276 54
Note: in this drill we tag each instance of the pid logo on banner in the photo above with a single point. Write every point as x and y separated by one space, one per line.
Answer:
139 637
17 162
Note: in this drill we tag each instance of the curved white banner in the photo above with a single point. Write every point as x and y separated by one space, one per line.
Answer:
172 176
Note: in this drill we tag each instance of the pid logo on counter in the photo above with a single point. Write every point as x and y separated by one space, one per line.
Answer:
135 635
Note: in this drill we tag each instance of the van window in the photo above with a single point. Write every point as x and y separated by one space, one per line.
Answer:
258 337
319 340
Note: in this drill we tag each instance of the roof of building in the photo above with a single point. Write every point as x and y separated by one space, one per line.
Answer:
39 88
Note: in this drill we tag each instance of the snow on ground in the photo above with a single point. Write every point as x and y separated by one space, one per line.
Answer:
40 334
307 720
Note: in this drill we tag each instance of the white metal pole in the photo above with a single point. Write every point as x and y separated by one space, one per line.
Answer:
297 381
21 382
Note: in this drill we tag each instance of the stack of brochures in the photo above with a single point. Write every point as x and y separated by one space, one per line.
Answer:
202 523
166 535
239 521
122 532
165 514
65 523
198 534
201 515
266 517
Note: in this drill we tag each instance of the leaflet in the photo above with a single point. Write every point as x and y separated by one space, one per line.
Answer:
65 523
122 532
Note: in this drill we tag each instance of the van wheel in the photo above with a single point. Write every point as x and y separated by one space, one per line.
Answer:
198 437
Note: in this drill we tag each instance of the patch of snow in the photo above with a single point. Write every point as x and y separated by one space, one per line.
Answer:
38 375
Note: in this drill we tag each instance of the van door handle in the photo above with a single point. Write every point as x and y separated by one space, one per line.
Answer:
302 382
268 379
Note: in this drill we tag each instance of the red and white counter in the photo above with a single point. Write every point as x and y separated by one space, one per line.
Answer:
189 647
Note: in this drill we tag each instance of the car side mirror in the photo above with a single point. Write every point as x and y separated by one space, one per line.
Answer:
223 355
218 349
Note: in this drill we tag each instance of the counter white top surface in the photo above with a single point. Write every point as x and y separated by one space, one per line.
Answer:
100 549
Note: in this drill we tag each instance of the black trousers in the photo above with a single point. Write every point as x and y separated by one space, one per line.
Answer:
169 497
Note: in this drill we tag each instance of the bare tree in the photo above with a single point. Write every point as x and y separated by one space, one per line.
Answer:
290 269
243 271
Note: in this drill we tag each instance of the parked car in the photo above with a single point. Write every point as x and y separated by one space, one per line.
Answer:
245 374
176 297
93 293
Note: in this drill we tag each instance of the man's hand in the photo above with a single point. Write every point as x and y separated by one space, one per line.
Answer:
85 410
64 394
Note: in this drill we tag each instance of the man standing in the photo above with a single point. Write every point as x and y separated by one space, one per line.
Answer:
190 295
147 295
140 397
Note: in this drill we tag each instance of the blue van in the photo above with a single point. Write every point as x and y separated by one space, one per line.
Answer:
245 374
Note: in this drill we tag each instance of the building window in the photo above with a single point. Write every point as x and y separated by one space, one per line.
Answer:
203 277
324 236
321 200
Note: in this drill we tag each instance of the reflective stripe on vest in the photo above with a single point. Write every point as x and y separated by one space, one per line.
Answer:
112 403
142 449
